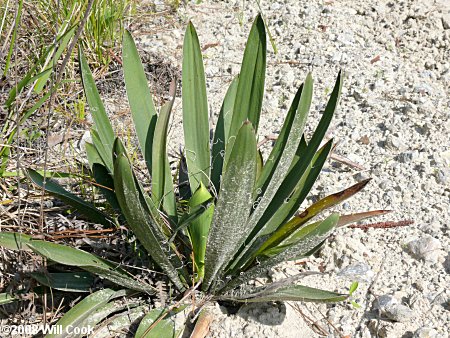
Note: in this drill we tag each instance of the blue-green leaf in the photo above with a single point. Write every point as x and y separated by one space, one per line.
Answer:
228 228
195 111
141 102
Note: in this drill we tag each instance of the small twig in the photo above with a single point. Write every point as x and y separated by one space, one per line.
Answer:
312 323
375 59
382 225
73 43
210 45
346 161
115 57
328 321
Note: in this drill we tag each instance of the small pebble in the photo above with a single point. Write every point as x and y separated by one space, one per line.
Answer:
425 248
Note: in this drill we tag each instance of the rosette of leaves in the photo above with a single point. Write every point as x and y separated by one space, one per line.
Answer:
231 216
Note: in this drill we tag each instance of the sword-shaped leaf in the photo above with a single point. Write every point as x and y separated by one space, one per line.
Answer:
139 97
66 281
287 142
294 224
134 207
102 151
165 328
195 111
115 306
14 241
104 180
221 134
83 310
308 155
250 89
87 209
298 293
101 121
199 228
228 228
311 236
293 190
66 255
162 182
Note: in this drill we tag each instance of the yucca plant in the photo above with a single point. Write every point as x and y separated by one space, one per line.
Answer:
230 218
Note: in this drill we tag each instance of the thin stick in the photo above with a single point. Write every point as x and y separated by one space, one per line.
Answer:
74 42
382 225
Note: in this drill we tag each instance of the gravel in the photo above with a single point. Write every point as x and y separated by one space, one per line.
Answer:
393 120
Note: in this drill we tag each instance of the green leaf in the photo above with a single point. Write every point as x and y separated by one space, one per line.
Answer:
298 237
87 209
295 293
93 155
307 239
105 154
66 255
250 91
292 191
134 207
101 175
228 228
163 329
66 281
199 228
259 164
101 121
189 217
105 183
64 41
14 241
120 322
298 170
353 288
290 227
162 183
221 133
6 298
287 142
141 102
285 153
105 311
195 111
81 311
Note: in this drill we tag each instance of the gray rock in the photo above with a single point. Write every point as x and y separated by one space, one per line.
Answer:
426 248
389 307
425 332
441 176
399 313
423 88
359 271
446 20
408 156
384 301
